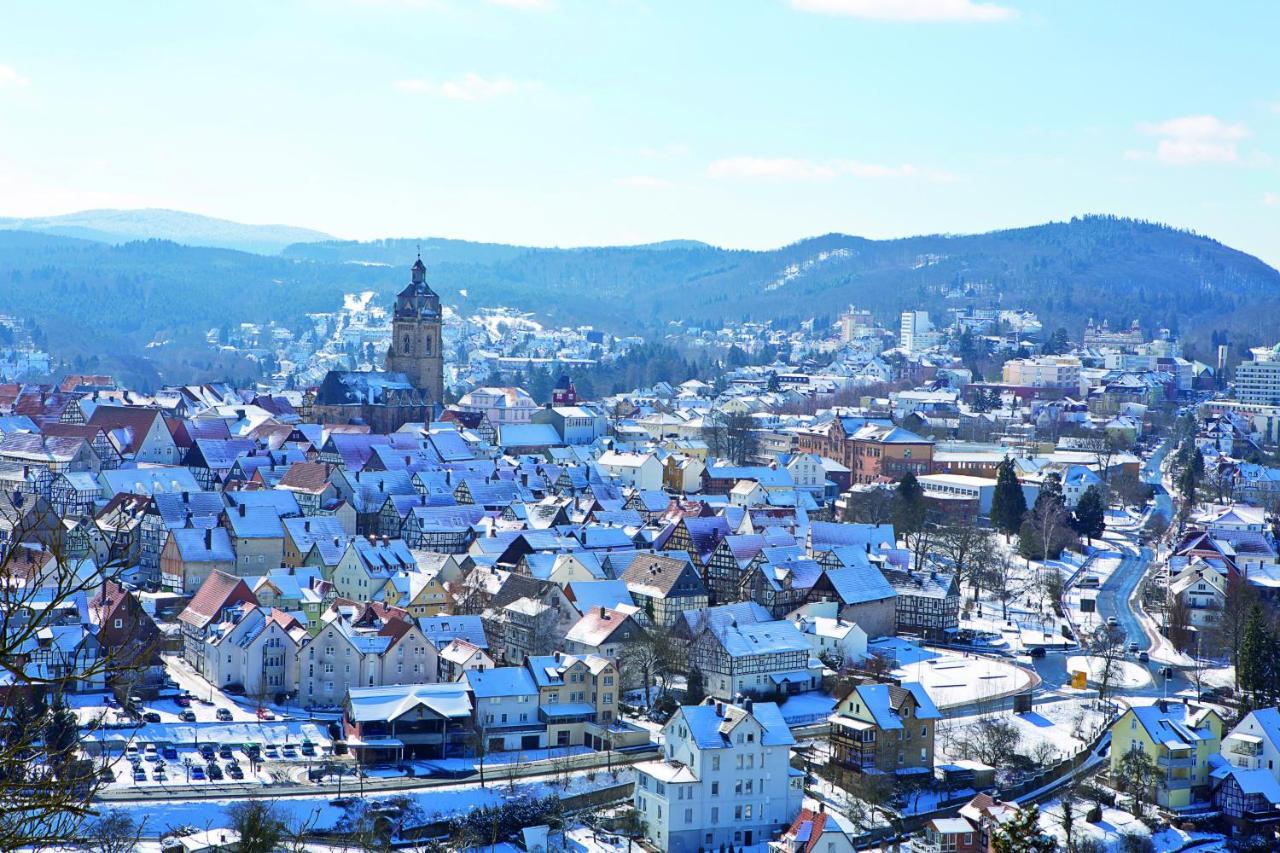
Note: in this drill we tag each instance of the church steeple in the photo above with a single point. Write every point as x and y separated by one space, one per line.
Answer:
416 341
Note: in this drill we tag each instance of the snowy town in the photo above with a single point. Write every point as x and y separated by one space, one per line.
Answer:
858 590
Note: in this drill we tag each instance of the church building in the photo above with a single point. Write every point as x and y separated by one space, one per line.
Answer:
411 389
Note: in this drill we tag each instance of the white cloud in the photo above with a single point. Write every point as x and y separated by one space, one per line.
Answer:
914 11
792 169
1188 140
9 76
1270 199
468 87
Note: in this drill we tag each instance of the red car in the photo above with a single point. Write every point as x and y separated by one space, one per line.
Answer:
264 714
183 701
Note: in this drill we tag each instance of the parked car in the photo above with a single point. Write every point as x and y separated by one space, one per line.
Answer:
1133 647
131 752
224 751
182 700
169 752
271 752
265 714
151 717
1037 652
197 772
1144 657
214 771
289 752
1112 621
149 752
139 775
187 716
234 771
308 748
159 775
223 715
206 751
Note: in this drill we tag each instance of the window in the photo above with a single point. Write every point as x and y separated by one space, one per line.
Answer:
715 814
715 762
118 623
715 789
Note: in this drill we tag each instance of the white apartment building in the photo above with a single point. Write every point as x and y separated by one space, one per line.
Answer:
725 778
1258 381
1046 371
916 332
342 656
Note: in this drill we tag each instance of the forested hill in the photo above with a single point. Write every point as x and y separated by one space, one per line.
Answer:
191 229
1101 267
113 299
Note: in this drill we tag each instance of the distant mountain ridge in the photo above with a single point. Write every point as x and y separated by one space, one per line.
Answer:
112 301
191 229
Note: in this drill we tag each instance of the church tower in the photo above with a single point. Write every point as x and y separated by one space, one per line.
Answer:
415 336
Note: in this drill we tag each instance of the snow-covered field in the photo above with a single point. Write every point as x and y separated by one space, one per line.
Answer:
1065 726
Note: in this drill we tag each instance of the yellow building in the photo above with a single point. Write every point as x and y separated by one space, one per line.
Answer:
1179 739
577 697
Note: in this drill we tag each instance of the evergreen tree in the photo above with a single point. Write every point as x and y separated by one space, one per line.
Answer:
1008 504
61 734
696 691
1057 344
1254 657
908 506
1091 515
1022 834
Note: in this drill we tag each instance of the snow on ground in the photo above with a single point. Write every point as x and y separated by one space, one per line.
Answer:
1124 675
1218 676
1066 725
809 707
953 680
1109 830
435 803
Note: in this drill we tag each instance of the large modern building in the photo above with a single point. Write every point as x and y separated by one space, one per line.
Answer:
1258 381
1046 371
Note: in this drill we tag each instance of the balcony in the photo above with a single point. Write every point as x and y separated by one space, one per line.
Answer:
1176 783
1242 747
1170 762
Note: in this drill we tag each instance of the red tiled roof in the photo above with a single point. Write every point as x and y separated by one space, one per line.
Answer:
219 591
305 477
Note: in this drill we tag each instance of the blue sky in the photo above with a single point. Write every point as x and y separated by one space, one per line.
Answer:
568 122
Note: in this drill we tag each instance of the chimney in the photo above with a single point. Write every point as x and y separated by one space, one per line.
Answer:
603 613
208 538
186 497
241 507
306 525
719 709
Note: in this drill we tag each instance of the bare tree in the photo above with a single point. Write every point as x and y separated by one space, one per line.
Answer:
113 832
869 506
969 549
1107 647
992 740
46 784
1002 580
645 660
